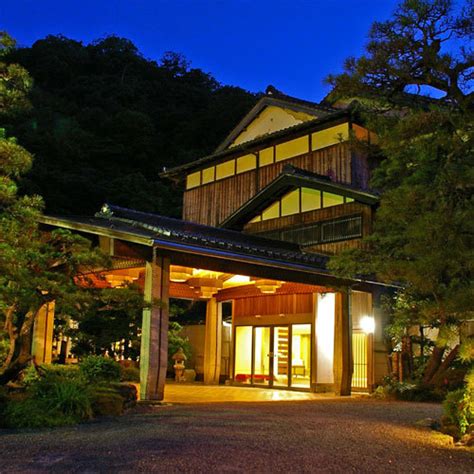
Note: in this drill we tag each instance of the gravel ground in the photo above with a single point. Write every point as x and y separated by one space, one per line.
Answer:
350 435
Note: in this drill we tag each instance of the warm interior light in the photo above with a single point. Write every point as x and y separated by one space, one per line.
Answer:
205 287
180 274
325 334
367 324
268 286
238 279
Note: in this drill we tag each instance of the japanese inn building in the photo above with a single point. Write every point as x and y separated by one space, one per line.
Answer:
261 217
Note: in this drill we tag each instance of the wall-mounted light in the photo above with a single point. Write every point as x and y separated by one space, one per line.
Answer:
367 324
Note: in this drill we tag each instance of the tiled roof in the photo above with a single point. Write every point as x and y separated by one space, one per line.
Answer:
153 228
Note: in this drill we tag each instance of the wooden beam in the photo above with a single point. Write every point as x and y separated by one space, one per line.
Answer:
154 339
343 363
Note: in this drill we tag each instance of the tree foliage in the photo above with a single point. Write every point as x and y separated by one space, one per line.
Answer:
35 267
423 238
106 121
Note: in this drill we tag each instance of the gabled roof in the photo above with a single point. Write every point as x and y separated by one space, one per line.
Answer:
291 178
276 98
336 117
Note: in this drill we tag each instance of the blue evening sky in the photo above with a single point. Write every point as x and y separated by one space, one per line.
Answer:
292 44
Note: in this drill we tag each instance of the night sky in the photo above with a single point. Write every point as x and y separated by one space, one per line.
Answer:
290 44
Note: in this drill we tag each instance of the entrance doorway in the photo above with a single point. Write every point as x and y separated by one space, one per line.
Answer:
273 356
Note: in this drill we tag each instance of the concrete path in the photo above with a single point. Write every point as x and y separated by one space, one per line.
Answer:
332 435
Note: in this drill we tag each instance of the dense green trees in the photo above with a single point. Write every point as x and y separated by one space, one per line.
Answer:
423 237
35 267
106 121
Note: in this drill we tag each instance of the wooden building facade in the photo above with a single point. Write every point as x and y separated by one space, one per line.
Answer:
261 216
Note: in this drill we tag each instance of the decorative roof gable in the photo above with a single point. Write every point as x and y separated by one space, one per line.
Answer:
272 113
292 178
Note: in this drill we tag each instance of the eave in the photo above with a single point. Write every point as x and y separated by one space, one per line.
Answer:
178 173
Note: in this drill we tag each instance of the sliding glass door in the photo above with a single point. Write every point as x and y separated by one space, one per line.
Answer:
273 356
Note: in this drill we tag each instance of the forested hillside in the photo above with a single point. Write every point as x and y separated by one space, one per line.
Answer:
105 121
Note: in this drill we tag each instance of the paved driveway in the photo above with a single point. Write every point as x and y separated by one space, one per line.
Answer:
324 435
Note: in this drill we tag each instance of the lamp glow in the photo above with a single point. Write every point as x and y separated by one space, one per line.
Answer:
367 324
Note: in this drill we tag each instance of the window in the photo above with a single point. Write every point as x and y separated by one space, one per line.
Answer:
226 169
333 230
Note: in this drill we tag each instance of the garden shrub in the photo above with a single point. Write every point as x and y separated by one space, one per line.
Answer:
98 369
68 395
107 401
129 374
32 413
414 392
458 411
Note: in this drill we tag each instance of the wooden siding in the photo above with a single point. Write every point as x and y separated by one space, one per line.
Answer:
212 203
273 305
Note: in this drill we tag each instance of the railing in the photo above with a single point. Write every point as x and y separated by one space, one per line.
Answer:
323 232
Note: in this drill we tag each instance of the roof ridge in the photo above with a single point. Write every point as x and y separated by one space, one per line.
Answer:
273 92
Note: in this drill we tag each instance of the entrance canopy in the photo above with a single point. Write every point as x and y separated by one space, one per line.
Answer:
132 237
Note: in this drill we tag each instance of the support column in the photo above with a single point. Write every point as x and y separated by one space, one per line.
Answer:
154 339
343 363
213 342
42 344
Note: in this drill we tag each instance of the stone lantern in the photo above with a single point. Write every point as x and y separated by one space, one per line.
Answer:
179 358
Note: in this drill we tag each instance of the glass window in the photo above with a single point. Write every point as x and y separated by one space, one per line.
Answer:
292 148
261 373
193 180
243 354
266 156
246 163
330 136
290 203
280 356
330 199
301 355
226 169
208 175
310 199
271 212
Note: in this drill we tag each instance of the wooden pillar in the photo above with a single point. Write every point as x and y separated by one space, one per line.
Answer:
343 363
154 339
42 344
213 342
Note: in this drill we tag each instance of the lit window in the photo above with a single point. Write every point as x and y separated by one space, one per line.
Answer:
193 180
226 169
208 175
271 212
246 163
266 156
310 199
330 199
295 147
290 204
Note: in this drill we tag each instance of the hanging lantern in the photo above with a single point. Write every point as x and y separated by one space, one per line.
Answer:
268 286
205 287
180 274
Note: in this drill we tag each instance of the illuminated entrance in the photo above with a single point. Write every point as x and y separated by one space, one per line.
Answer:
279 356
